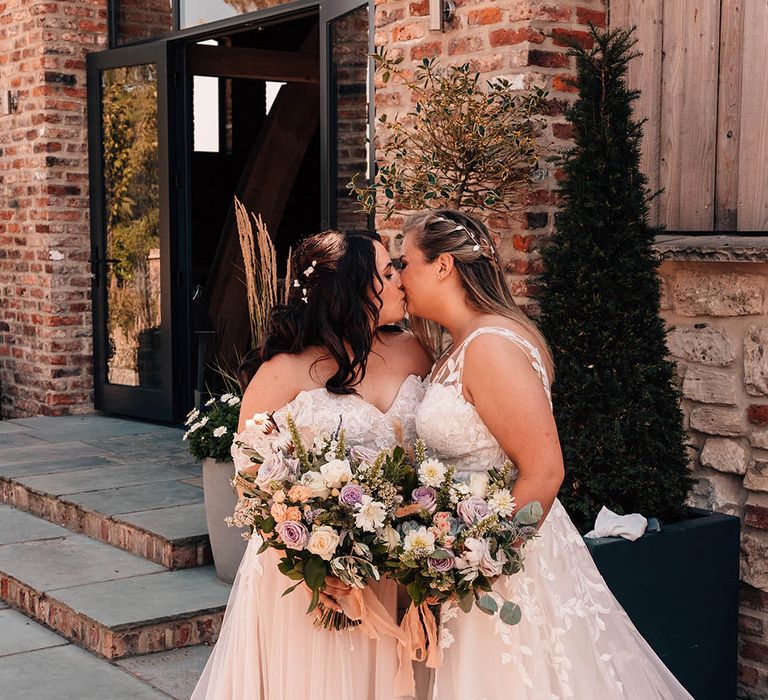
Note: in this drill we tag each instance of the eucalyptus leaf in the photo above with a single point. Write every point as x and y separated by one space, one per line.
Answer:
290 589
487 604
530 514
510 613
466 602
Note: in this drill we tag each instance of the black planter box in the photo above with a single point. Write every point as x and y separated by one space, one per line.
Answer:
680 587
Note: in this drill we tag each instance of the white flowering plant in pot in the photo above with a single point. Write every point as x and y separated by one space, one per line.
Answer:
211 428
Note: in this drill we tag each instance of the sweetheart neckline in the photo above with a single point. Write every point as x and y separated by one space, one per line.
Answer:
360 398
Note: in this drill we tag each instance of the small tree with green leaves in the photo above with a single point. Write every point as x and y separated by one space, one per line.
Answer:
618 412
464 144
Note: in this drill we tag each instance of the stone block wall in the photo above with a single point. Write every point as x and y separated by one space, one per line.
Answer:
715 301
524 41
45 310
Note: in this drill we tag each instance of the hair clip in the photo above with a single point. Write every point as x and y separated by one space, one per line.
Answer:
310 269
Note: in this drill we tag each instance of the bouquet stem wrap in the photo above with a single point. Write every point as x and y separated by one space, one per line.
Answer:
413 643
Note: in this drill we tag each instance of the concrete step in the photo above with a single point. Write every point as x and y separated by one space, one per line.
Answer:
106 600
127 483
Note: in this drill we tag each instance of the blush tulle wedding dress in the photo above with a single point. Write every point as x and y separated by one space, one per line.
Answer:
574 640
268 648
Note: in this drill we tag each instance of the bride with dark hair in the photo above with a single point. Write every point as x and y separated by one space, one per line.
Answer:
330 352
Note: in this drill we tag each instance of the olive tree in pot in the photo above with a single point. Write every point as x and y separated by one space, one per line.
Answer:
617 408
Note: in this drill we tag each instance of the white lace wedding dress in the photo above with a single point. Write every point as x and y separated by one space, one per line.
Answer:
268 648
574 640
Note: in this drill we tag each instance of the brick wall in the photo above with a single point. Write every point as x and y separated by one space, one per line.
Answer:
45 319
716 301
522 40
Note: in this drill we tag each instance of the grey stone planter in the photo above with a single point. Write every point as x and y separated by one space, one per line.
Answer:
227 545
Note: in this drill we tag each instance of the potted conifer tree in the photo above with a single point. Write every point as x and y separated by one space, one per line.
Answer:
617 408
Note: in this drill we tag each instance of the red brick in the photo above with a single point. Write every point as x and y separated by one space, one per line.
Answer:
464 45
509 37
584 16
567 37
427 50
756 516
552 13
755 651
419 9
758 414
564 83
563 131
548 59
488 15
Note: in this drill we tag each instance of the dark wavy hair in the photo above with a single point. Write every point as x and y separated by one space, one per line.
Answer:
340 307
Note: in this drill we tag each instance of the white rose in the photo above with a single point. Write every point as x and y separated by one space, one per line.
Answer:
337 472
390 537
478 484
315 482
323 542
370 514
432 473
477 557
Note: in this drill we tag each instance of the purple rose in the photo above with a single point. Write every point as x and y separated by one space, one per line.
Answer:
294 534
277 467
426 497
472 509
350 495
442 565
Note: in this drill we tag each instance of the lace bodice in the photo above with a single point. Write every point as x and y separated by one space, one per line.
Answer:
450 425
319 412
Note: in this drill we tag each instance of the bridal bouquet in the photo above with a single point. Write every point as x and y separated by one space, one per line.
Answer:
329 508
458 538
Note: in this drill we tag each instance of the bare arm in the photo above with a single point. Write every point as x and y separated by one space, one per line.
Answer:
510 399
274 385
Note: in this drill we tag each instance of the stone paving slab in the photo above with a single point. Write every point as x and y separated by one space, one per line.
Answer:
174 672
18 526
47 565
176 523
19 438
143 600
48 452
11 426
130 499
19 634
89 427
52 466
101 478
68 673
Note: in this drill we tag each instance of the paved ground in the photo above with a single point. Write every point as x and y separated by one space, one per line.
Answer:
140 473
37 664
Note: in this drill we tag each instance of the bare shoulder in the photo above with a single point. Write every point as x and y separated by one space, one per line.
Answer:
276 383
403 349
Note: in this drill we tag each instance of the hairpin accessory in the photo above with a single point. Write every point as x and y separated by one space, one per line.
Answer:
306 274
460 227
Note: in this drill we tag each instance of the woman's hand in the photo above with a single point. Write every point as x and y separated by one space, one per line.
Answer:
334 589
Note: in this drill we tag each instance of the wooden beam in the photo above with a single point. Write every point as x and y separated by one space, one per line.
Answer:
753 151
644 74
729 115
259 64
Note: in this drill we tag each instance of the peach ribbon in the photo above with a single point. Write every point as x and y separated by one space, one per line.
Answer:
413 644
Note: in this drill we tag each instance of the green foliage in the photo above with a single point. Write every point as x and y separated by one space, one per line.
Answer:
464 145
217 413
618 413
132 194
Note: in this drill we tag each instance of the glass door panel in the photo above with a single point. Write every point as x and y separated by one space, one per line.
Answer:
130 212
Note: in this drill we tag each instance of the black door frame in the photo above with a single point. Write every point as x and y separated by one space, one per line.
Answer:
156 403
174 149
